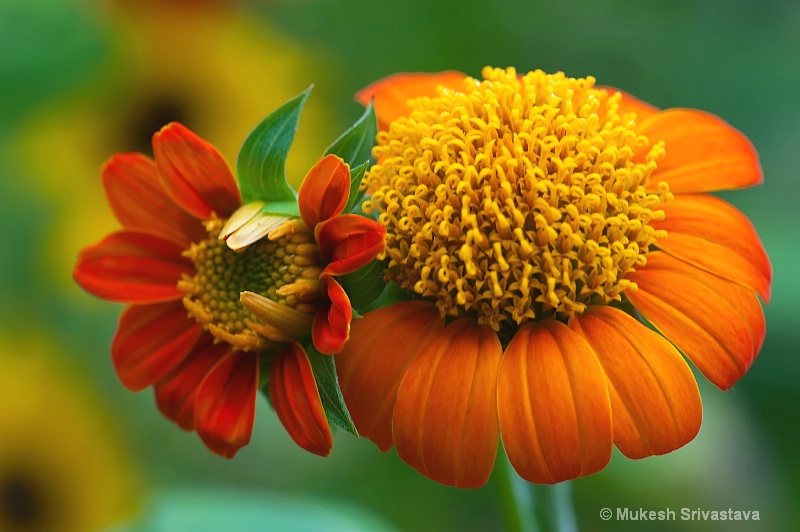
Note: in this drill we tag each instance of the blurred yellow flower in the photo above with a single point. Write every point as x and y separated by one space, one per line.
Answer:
60 466
210 67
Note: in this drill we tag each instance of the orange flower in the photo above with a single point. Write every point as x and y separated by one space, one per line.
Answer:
184 330
533 218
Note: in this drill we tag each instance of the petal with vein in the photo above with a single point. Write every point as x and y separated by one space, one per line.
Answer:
382 344
331 327
130 267
150 341
553 405
195 173
349 241
445 420
717 324
324 191
655 403
294 394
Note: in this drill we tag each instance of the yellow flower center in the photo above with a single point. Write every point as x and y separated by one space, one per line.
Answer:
272 269
515 199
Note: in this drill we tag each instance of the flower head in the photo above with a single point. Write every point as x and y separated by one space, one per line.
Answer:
184 330
530 218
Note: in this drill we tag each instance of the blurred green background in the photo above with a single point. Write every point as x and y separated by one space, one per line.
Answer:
80 80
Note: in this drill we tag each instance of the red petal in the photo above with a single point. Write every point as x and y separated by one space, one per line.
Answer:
225 404
132 267
445 420
325 190
195 173
655 403
553 405
713 235
703 152
141 203
294 394
150 341
631 104
349 241
718 324
370 373
392 93
175 393
331 327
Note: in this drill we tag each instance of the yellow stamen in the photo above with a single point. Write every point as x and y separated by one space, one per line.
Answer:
516 199
279 271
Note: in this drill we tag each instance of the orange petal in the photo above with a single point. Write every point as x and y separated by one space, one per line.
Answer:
331 327
445 419
141 202
370 373
349 241
392 93
631 104
703 152
713 235
655 402
295 397
131 267
225 404
195 173
150 341
718 324
325 190
175 393
553 404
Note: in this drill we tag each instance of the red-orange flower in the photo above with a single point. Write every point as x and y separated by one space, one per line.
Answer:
529 216
184 331
346 243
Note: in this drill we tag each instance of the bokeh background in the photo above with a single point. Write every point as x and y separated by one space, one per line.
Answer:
80 80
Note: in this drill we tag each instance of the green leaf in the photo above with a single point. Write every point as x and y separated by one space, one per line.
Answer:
392 293
329 391
355 144
281 207
356 195
261 164
364 285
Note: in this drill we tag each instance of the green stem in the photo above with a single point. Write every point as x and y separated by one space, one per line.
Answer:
561 509
516 497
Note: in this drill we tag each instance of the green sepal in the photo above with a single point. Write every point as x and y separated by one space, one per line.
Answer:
355 144
329 391
364 285
261 164
391 294
288 208
356 195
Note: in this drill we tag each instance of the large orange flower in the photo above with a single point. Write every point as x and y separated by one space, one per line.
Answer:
533 219
185 331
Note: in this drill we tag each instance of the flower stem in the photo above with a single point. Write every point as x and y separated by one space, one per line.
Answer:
516 497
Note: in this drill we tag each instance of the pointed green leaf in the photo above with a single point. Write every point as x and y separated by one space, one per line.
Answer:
355 144
281 207
356 195
391 294
261 165
329 391
364 285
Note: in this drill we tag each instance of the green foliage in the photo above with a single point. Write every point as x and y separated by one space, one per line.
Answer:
261 164
329 391
355 144
364 285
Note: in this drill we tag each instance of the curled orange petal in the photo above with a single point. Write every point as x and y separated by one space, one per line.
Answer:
348 242
553 405
294 394
445 419
331 327
324 191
